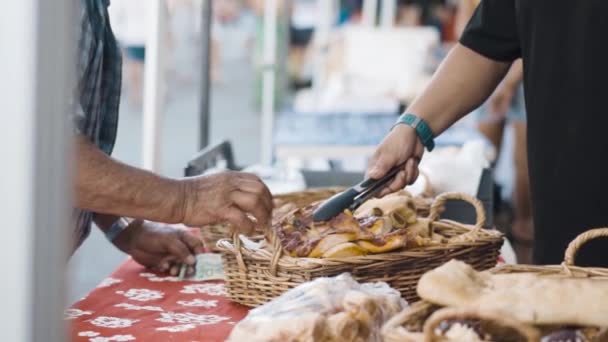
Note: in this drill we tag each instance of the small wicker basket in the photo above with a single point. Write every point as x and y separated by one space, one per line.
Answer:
417 322
256 276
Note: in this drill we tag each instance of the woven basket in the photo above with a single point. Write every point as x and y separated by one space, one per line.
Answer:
409 325
256 276
211 234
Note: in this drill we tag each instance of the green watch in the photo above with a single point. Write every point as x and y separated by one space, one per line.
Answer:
422 129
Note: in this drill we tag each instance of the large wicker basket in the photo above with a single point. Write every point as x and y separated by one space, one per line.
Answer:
211 234
410 324
255 276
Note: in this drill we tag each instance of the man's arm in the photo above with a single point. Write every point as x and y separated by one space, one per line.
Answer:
107 186
463 81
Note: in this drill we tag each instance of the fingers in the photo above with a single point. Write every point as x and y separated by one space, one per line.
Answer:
239 220
194 243
397 184
380 165
257 188
179 250
249 203
410 170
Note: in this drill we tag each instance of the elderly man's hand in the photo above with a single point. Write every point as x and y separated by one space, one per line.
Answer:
160 247
238 198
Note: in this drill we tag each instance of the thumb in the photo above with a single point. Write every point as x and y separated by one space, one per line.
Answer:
379 166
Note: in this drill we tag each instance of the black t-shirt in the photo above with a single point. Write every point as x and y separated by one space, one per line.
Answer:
565 53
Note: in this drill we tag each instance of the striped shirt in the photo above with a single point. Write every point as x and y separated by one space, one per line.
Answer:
99 72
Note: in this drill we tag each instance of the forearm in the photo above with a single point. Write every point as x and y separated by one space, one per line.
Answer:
462 82
107 186
515 75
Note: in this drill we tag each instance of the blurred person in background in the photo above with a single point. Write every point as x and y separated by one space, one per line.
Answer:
124 201
564 70
303 19
506 106
232 36
130 21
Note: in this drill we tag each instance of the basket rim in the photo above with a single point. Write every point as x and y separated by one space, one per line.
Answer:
485 237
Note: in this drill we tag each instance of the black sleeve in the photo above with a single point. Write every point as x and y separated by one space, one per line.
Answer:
492 31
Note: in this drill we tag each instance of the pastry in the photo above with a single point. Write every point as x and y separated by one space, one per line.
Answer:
526 297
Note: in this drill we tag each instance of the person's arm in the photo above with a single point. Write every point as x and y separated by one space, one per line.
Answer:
462 82
502 98
107 186
157 246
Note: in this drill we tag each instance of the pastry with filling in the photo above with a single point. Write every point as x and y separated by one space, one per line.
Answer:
347 235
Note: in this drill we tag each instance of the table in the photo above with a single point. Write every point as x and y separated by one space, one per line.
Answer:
134 304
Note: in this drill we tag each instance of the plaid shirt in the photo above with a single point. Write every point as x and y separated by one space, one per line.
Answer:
98 90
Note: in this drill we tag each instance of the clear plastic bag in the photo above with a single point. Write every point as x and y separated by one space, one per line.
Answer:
325 309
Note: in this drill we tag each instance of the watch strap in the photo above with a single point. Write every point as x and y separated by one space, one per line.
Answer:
116 228
423 130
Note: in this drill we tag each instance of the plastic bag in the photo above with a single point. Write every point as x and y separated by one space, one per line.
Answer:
326 309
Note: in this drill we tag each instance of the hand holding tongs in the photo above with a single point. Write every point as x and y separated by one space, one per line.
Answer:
352 198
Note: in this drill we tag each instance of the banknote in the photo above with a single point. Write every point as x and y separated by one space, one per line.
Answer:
208 267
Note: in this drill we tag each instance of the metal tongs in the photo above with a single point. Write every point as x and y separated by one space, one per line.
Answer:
353 197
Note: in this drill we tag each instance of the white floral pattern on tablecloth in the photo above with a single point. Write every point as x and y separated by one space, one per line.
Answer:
141 295
129 310
128 306
187 321
211 289
113 322
158 279
201 303
115 338
109 282
177 328
75 313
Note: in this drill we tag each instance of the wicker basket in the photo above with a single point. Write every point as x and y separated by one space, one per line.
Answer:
213 233
255 276
409 325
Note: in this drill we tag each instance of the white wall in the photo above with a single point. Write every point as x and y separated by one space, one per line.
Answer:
37 38
16 138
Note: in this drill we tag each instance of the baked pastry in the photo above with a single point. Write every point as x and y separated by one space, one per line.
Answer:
323 310
526 297
376 231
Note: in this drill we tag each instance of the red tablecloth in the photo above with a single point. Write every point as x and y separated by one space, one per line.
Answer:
136 305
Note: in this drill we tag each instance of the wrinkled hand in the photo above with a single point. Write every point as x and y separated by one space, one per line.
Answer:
400 145
238 198
160 247
501 100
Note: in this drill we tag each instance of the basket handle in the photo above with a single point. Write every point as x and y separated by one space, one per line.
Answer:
236 240
438 207
579 241
530 333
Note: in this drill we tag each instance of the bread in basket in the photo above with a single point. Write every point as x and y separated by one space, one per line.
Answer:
257 271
